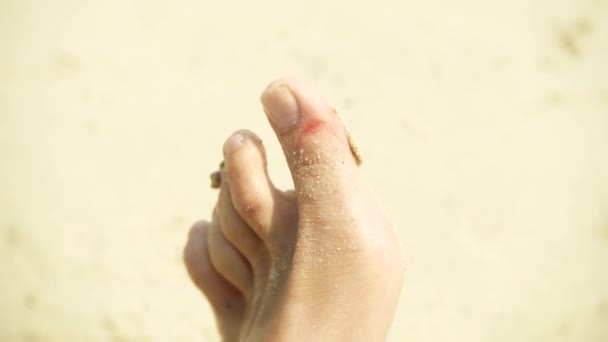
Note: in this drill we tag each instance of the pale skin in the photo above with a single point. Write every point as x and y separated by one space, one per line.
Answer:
317 263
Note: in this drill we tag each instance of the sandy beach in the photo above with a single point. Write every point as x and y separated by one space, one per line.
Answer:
483 126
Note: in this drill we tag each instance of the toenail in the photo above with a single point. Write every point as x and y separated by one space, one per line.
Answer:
233 143
216 180
280 106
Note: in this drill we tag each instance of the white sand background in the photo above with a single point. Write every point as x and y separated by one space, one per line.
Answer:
484 127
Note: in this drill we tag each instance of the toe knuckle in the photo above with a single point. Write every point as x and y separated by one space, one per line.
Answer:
221 264
219 260
234 234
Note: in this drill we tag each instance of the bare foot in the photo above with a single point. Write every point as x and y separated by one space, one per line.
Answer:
320 263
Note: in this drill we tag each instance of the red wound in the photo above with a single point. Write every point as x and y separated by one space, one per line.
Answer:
312 126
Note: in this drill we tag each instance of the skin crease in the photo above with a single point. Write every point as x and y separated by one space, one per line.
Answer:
301 265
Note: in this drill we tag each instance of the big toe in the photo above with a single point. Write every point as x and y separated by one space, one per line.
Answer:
317 146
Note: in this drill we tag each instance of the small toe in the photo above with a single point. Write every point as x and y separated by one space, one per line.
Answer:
238 232
224 298
251 190
227 260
